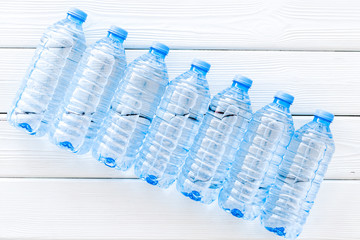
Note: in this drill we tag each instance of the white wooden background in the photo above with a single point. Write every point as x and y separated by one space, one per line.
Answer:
310 48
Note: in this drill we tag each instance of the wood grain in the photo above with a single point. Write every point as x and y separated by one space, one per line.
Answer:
229 24
27 156
328 80
130 209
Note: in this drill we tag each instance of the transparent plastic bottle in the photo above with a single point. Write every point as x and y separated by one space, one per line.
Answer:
299 177
49 74
90 93
214 149
132 109
175 126
256 162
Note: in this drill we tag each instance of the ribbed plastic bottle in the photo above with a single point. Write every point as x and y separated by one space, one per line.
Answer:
90 93
175 126
214 149
132 109
257 160
299 177
49 74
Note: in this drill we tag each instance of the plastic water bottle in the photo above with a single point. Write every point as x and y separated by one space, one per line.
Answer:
90 93
299 177
49 74
132 109
215 146
256 162
175 126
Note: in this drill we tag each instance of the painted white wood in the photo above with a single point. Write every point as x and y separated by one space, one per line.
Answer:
130 209
36 204
228 24
328 80
22 155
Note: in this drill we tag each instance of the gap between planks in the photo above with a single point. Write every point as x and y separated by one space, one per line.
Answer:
217 49
305 75
22 155
276 24
119 178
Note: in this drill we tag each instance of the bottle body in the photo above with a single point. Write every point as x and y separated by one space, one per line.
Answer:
262 148
298 180
131 111
213 151
48 76
89 95
174 128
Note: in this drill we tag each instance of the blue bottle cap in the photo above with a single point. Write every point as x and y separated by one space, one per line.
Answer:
160 47
201 64
324 115
285 97
118 32
243 80
75 12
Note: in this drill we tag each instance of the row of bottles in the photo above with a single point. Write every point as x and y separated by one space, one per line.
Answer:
89 99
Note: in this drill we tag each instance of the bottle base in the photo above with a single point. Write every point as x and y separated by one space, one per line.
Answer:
123 165
197 193
59 141
283 232
235 212
25 127
238 209
68 146
164 181
158 181
280 231
282 227
151 175
32 124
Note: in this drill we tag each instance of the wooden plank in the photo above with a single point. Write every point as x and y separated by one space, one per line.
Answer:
27 156
229 24
118 209
22 155
328 80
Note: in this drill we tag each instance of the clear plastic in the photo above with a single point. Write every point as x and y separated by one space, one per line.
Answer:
215 145
48 76
132 111
90 94
257 160
298 180
174 128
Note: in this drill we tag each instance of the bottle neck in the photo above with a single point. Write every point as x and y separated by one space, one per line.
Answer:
282 102
321 120
115 37
74 19
157 53
240 86
198 70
